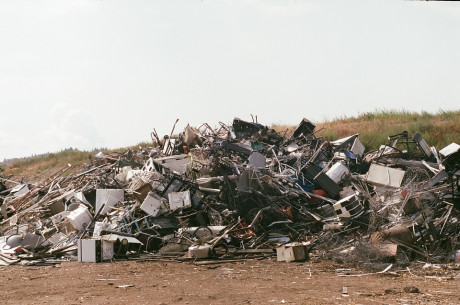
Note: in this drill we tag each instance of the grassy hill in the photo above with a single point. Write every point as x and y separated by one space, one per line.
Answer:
40 167
438 129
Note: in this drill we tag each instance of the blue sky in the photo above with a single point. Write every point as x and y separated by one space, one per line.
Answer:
94 73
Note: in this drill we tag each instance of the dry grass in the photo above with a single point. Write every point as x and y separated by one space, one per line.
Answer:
37 168
439 130
40 167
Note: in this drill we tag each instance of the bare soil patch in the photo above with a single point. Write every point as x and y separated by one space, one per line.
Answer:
246 282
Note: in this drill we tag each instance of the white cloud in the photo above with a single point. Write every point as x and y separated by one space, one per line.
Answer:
68 127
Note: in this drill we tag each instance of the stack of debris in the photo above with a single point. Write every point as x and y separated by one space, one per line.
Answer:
238 190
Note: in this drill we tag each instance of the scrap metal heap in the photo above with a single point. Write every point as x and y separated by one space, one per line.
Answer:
239 190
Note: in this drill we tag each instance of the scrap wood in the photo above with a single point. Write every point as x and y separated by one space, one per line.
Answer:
224 261
366 274
245 188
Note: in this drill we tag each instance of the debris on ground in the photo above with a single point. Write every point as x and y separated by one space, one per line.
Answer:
242 190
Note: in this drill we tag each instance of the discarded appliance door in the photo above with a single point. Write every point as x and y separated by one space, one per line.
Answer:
421 143
357 148
153 205
109 197
449 149
80 217
178 200
385 176
177 163
94 250
351 143
20 190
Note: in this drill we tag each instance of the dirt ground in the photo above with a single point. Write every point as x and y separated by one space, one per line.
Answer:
245 282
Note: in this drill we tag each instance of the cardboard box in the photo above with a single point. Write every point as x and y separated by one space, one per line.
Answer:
291 252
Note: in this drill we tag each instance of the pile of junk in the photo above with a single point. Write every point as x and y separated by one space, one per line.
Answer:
241 191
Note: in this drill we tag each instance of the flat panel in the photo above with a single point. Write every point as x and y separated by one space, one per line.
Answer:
385 176
179 200
87 250
109 197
